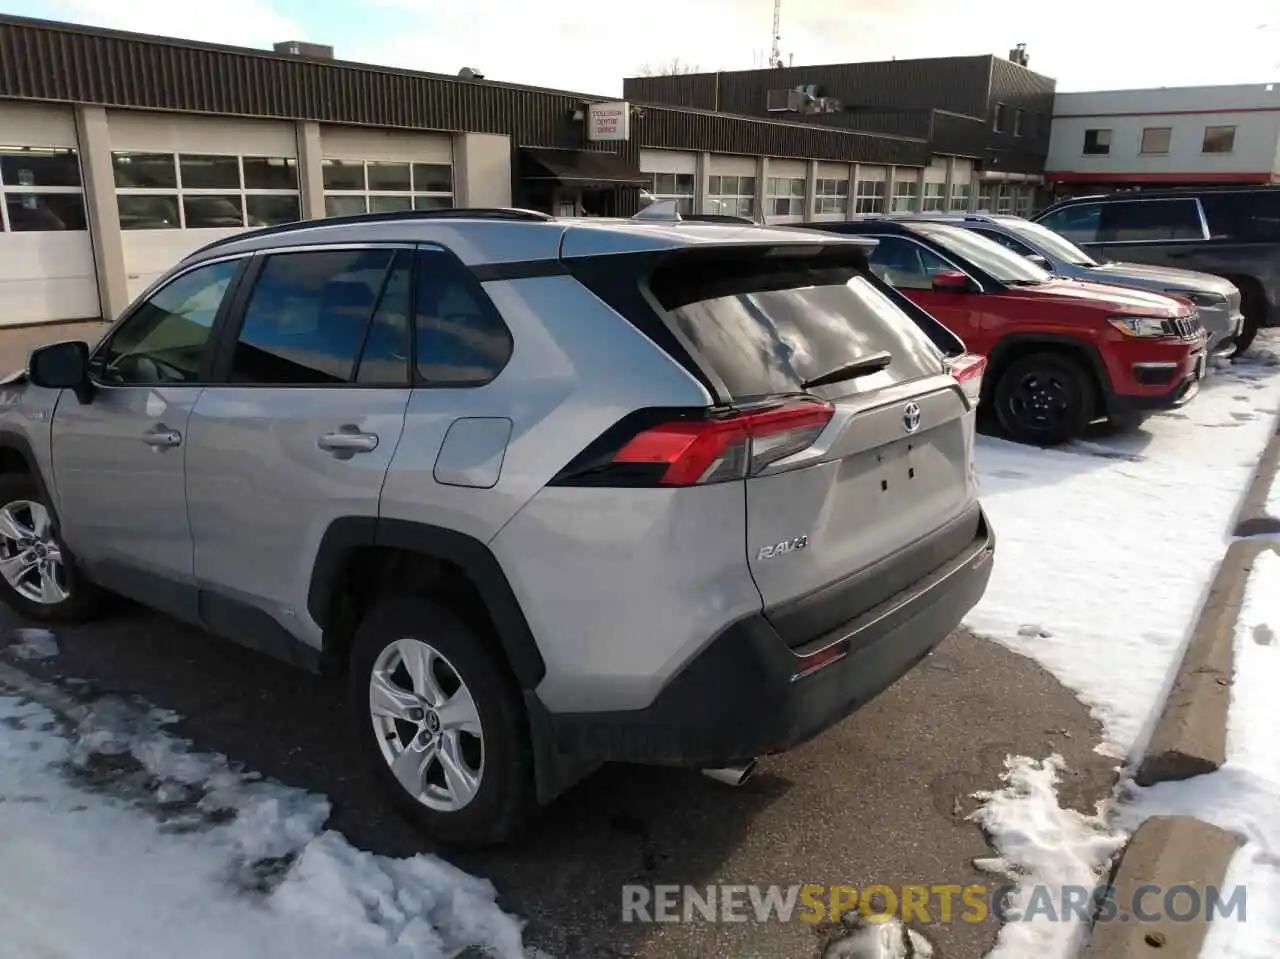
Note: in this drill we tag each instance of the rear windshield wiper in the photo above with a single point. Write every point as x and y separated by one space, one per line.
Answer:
864 366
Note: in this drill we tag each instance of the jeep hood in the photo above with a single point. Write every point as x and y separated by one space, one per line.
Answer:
1166 277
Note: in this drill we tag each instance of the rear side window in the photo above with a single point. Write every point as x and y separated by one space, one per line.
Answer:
462 339
1078 223
1247 215
767 323
1129 221
310 315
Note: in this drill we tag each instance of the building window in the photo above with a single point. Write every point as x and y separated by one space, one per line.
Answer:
904 195
1155 139
935 197
830 195
959 197
1017 122
41 190
675 186
204 191
1219 140
378 186
1004 198
1097 142
870 197
986 197
1025 195
786 196
731 196
998 124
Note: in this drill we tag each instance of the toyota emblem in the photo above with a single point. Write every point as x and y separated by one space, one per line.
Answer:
911 417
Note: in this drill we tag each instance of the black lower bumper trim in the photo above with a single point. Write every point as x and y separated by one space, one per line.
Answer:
739 698
1186 390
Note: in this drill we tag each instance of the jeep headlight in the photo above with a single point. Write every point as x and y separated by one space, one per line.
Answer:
1148 326
1200 298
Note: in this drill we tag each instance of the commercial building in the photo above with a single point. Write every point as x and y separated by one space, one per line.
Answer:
1172 136
121 153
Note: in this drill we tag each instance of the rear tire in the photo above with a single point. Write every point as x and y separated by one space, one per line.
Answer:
1044 399
1252 306
39 577
441 722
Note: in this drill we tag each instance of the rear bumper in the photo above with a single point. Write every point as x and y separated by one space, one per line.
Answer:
741 696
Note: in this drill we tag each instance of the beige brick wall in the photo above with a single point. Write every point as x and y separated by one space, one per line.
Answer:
16 344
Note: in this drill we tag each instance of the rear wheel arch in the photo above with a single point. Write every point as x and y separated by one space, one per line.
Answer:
17 457
363 559
1253 304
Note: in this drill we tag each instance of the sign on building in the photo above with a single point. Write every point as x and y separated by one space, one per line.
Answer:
609 121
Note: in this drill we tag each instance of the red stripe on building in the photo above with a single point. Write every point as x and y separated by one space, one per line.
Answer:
1164 113
1067 176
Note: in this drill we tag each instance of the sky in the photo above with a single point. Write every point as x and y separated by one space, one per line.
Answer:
589 45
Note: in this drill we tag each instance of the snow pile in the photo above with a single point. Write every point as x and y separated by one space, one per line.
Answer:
1244 795
1044 849
34 644
1106 548
166 852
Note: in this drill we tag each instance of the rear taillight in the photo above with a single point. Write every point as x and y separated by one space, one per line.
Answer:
707 449
967 370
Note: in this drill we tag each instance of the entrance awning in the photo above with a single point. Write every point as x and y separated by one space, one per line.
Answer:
580 168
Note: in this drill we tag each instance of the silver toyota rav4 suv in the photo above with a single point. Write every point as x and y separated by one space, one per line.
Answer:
549 493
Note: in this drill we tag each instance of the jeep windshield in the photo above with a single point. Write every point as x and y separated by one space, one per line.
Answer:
1006 266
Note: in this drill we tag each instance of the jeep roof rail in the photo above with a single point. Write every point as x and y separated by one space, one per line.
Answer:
447 213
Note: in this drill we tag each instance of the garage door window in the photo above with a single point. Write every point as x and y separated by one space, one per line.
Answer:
730 195
201 191
381 186
41 190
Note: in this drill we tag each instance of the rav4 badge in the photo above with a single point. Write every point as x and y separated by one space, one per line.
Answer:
781 549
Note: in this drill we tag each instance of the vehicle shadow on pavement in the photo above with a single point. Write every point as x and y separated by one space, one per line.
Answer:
881 798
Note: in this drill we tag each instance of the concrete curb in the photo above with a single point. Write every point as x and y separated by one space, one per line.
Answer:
1190 737
1164 852
1253 519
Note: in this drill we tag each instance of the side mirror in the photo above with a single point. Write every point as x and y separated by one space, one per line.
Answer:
60 366
1040 261
950 281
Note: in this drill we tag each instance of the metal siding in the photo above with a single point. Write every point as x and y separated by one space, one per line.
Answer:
1016 86
45 61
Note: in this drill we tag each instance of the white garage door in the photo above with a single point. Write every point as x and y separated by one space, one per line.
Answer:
46 261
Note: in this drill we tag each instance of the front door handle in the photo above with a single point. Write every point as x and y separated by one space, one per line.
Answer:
162 437
348 441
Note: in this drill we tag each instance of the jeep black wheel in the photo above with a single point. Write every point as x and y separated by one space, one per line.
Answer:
1044 399
441 722
39 578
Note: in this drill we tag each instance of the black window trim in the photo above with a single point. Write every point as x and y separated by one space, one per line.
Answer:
233 321
207 363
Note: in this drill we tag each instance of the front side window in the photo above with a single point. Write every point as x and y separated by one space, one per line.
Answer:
1078 223
1130 221
306 321
905 264
166 338
1004 266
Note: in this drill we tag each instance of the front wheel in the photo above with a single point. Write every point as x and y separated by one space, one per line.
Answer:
39 578
441 722
1044 399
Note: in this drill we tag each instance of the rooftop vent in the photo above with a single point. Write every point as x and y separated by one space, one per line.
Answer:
309 51
1019 55
470 73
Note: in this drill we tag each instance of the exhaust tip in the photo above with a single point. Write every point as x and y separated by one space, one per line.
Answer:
732 775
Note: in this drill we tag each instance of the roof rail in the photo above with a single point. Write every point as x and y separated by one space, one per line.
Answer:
447 213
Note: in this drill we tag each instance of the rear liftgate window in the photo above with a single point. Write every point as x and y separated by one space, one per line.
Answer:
770 321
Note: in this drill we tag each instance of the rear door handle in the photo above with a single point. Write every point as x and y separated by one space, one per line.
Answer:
162 438
348 440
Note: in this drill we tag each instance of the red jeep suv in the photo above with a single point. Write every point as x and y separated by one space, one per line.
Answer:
1060 352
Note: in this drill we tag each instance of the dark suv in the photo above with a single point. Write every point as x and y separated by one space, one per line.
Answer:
1231 231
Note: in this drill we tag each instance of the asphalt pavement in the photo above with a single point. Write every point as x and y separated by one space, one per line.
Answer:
881 798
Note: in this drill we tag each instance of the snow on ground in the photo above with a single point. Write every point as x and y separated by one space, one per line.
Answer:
34 644
1244 795
122 843
1105 548
1105 552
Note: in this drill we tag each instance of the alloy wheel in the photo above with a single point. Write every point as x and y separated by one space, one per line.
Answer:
427 725
30 555
1040 401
